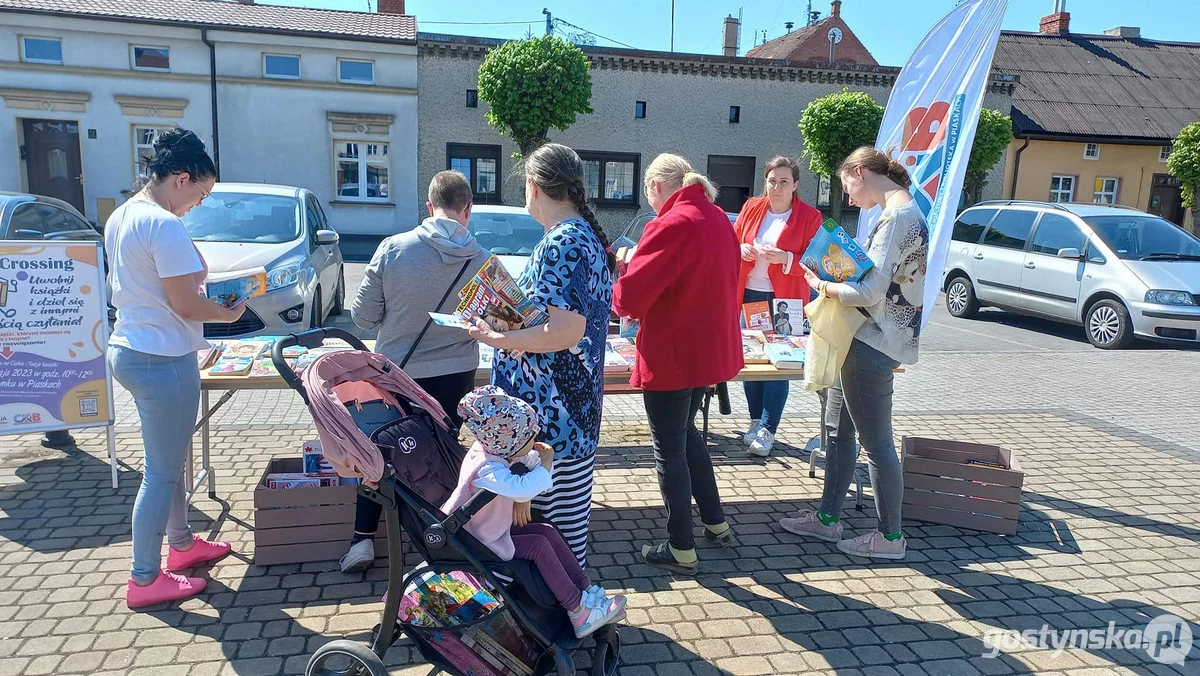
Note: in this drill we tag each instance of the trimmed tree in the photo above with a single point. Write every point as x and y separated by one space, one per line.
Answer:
992 137
833 126
1184 164
534 85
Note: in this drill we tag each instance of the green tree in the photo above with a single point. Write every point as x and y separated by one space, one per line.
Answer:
534 85
833 126
992 137
1184 164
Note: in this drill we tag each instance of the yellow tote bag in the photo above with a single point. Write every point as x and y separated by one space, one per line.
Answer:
833 326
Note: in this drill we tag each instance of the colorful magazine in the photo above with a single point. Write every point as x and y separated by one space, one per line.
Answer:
757 316
835 256
614 362
493 295
625 348
230 292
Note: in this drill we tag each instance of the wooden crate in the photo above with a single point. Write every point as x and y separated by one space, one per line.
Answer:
941 486
296 525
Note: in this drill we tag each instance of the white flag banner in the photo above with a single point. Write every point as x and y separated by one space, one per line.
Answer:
930 120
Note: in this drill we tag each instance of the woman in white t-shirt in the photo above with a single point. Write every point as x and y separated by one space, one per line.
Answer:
157 274
774 230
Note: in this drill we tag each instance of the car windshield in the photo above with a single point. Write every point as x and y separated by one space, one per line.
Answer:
245 218
1136 237
506 234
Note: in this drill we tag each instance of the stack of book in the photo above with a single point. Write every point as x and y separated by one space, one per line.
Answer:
237 357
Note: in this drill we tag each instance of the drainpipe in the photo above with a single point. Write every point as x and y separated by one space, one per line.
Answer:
212 81
1012 192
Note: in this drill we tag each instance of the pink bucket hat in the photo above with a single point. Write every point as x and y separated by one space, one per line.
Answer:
503 424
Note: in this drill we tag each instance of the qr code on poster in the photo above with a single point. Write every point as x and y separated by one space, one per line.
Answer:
89 406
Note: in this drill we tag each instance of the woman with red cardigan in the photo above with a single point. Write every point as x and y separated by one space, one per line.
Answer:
773 230
681 282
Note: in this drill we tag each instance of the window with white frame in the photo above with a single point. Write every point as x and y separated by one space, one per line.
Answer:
1106 190
353 71
1164 153
144 137
1091 151
41 50
281 66
150 58
1062 189
361 170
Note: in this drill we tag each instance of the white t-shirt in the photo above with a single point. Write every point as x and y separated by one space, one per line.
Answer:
768 233
144 244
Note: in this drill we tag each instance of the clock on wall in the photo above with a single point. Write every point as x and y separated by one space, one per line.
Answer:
835 35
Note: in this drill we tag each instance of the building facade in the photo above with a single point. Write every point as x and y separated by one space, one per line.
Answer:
726 115
321 99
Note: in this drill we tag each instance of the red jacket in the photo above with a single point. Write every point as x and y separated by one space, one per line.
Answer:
682 284
801 226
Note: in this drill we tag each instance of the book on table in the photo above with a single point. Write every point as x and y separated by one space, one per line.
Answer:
788 318
754 349
757 316
238 357
784 355
835 256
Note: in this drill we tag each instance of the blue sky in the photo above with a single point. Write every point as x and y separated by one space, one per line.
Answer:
888 33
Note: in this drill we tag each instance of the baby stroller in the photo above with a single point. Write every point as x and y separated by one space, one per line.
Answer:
417 478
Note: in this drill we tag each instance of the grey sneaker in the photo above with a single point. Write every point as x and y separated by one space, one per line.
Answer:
360 556
762 444
807 524
752 433
874 545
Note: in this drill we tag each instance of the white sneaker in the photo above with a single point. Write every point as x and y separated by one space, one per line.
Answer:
762 443
360 556
752 433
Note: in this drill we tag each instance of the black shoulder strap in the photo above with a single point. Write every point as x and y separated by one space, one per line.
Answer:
428 322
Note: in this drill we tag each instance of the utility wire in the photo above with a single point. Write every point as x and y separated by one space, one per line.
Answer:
580 28
479 23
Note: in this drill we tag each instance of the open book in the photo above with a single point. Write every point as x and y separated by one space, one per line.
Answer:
835 256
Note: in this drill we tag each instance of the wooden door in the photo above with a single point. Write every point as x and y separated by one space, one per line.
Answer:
1166 200
52 160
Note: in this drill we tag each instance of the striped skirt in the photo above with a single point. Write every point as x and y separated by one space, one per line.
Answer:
568 503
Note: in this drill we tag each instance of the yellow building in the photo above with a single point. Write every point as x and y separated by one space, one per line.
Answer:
1094 115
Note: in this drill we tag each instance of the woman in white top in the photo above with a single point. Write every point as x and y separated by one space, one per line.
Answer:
157 274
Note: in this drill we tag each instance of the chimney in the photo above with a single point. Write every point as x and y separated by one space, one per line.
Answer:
391 6
1058 23
731 37
835 10
1127 32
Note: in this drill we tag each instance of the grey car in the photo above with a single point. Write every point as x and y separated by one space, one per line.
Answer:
245 229
36 217
1118 272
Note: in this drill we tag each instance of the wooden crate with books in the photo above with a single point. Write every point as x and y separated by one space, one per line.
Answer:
967 485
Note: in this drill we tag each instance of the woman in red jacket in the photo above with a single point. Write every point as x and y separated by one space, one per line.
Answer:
681 282
773 230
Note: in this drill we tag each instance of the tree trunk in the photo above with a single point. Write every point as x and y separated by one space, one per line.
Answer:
532 143
973 188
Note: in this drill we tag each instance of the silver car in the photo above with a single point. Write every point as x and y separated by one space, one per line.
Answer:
1116 271
244 229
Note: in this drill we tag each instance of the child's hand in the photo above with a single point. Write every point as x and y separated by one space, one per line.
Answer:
522 513
546 453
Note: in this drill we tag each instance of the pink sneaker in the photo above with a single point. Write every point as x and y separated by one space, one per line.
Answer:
589 619
166 587
874 545
202 551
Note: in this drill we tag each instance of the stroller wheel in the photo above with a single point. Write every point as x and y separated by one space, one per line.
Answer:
345 658
607 654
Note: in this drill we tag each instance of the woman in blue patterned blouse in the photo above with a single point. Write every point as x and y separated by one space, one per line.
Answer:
558 367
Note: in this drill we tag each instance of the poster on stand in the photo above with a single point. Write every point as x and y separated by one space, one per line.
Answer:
53 331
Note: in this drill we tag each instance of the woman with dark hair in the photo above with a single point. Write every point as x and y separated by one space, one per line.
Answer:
774 230
157 274
558 367
891 296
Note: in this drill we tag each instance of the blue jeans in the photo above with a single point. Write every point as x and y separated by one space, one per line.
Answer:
862 399
765 399
166 391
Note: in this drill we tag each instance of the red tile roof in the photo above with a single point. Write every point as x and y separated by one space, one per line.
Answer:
783 46
230 15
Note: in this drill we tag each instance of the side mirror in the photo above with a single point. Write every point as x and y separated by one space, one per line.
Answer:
1070 253
327 237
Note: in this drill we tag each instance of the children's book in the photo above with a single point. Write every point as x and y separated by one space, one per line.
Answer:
493 295
228 365
614 362
206 357
757 316
264 367
244 348
788 318
309 356
784 356
835 256
231 292
754 347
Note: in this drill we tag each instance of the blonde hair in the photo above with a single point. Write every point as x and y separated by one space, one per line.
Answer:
875 162
673 170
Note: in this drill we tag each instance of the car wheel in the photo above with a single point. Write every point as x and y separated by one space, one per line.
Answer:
339 296
314 321
1108 326
960 298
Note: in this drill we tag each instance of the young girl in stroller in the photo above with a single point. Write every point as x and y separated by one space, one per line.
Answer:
505 428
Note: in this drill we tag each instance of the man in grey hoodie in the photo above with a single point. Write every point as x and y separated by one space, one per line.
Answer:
405 280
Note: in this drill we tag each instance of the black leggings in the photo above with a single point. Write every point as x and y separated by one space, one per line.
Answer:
448 390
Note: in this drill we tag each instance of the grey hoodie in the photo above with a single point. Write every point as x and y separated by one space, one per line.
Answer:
406 278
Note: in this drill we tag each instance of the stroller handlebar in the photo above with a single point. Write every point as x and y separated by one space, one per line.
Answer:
309 339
